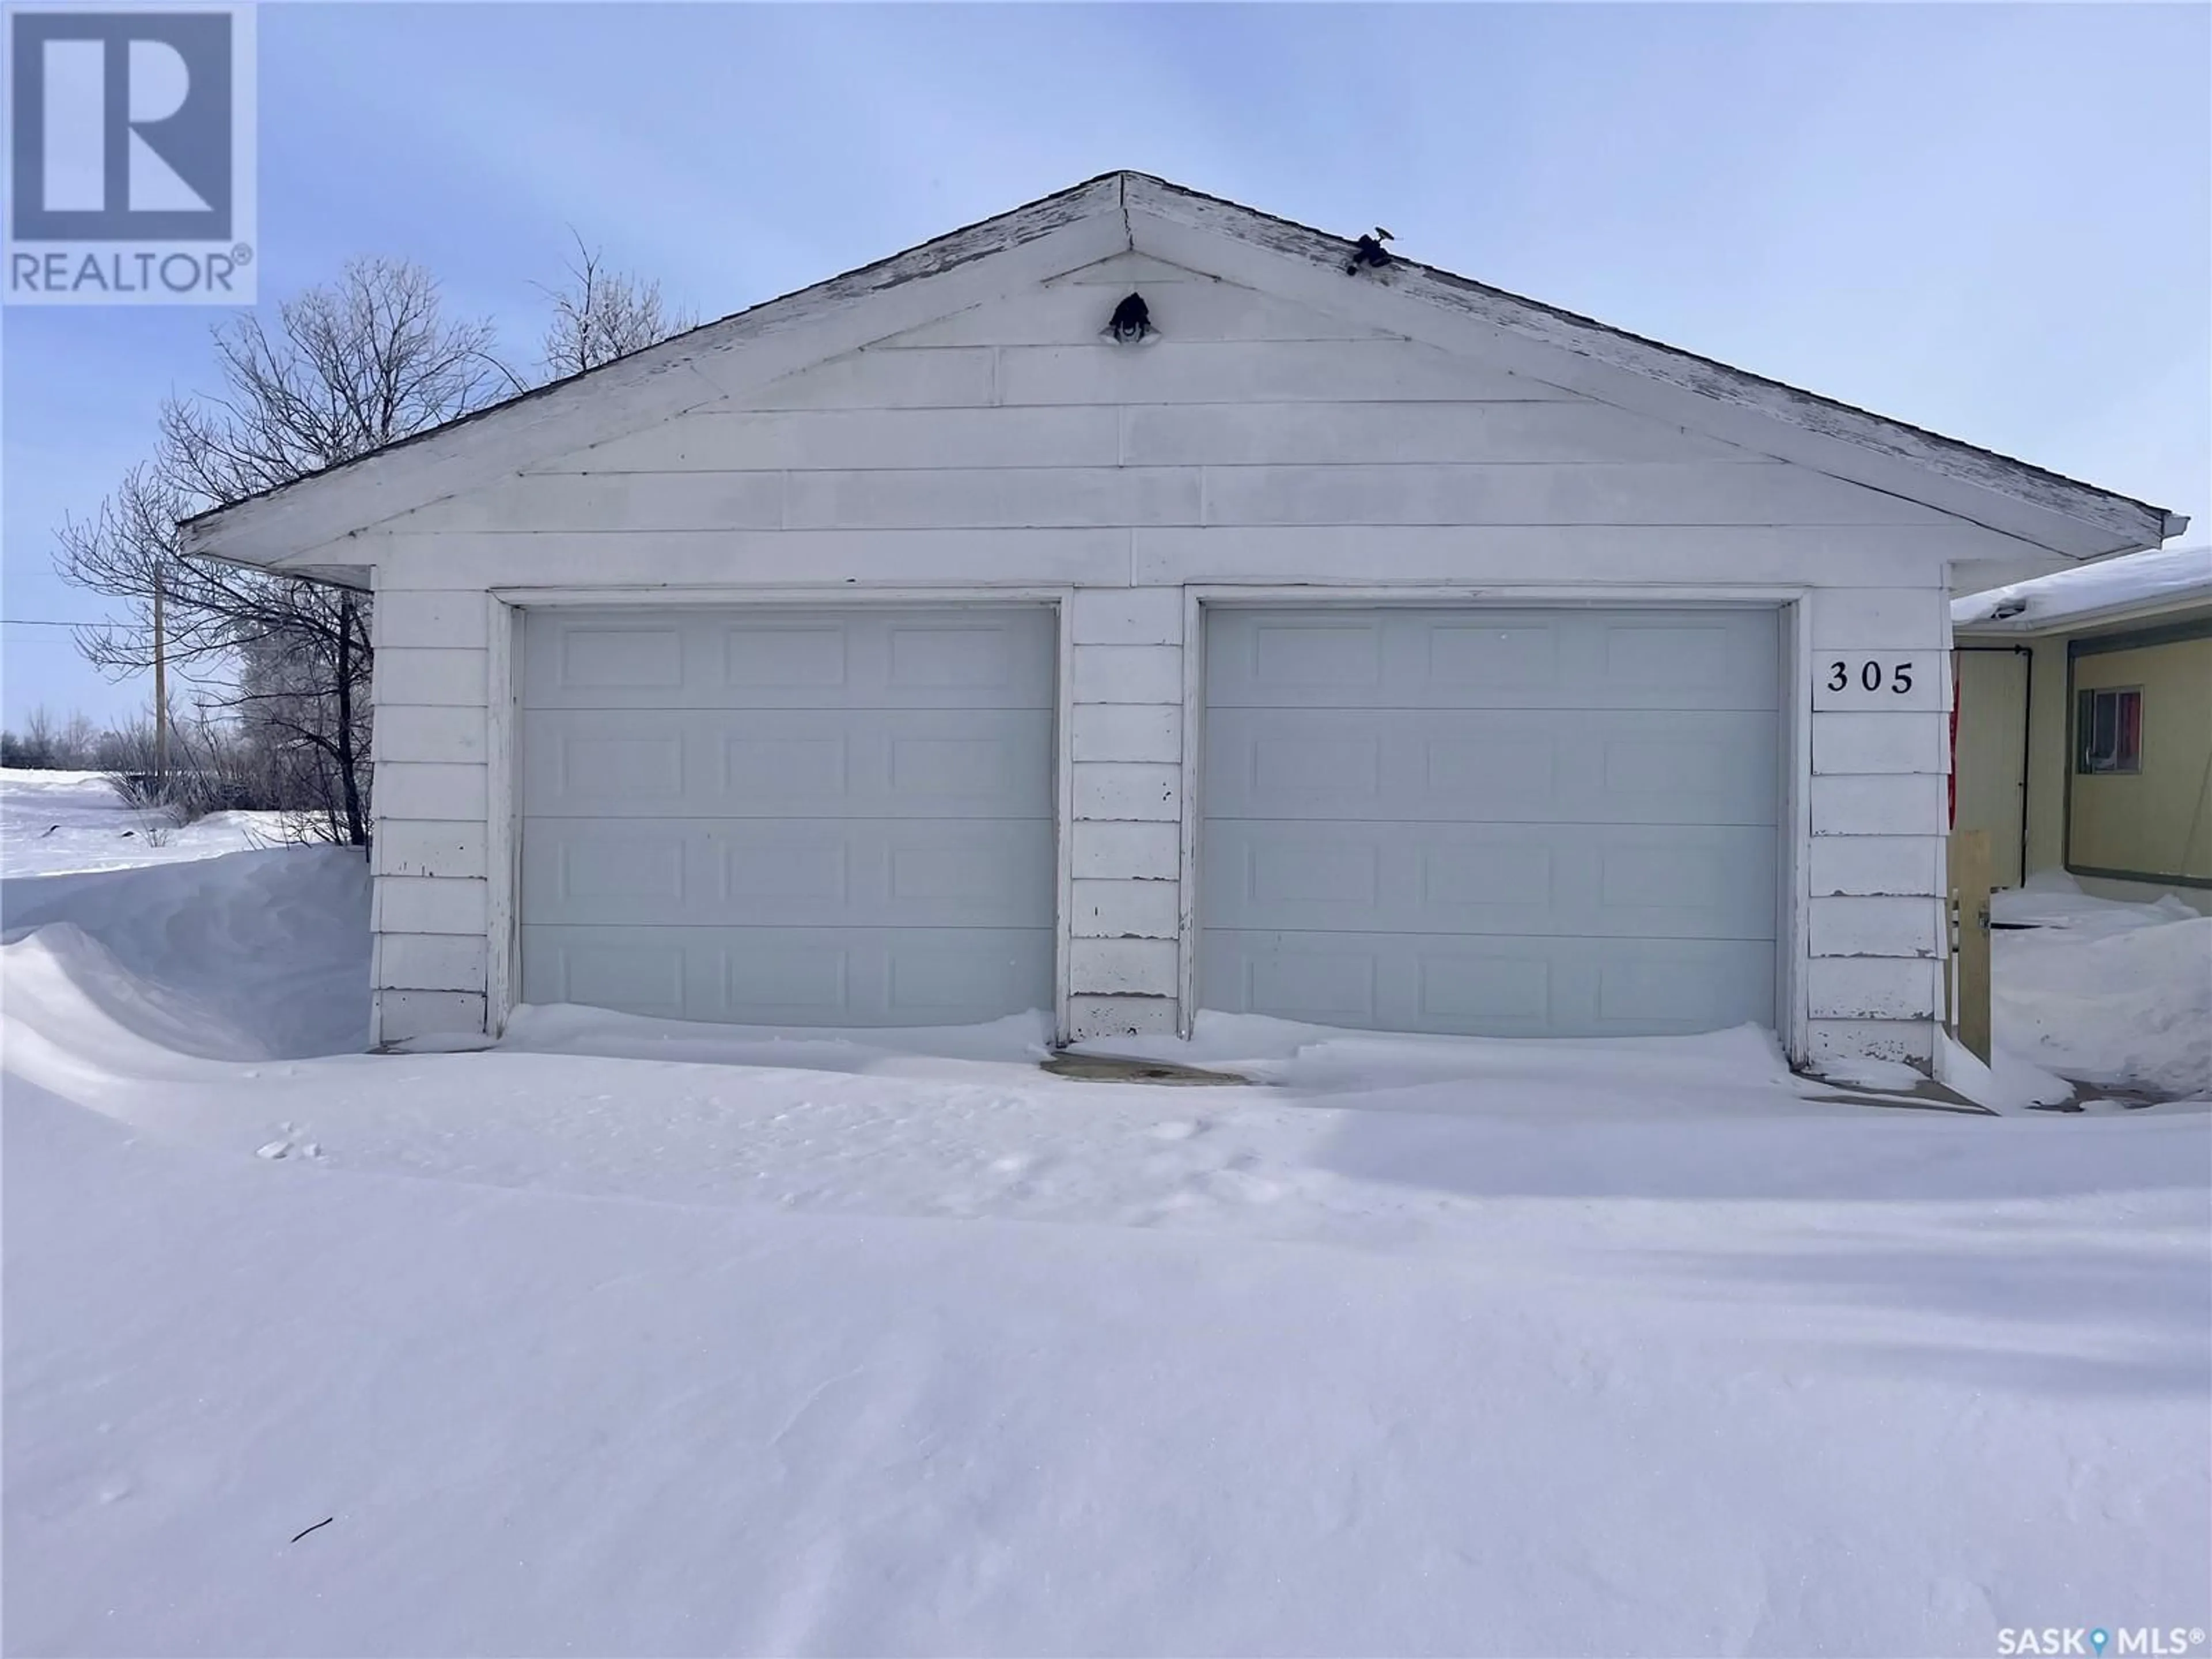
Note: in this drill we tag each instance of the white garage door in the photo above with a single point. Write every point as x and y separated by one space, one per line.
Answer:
789 817
1505 822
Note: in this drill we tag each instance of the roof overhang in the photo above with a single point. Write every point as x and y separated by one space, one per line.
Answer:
2172 584
1129 212
2176 609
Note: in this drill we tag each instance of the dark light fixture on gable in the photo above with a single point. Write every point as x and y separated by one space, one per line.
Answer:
1132 321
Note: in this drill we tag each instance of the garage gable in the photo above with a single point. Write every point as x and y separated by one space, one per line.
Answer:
1241 410
825 348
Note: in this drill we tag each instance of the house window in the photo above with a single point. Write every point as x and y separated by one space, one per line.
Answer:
2108 730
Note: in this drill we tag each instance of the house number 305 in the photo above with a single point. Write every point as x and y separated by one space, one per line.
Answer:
1870 675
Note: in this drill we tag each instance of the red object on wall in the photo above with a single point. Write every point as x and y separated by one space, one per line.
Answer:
1951 783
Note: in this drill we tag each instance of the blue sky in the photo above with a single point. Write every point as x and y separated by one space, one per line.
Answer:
1994 221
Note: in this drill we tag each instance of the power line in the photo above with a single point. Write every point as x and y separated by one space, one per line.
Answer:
45 622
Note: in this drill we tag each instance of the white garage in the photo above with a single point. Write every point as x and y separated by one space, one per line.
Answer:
1346 642
791 817
1504 822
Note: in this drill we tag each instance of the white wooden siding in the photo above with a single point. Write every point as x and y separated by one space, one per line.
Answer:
1229 371
729 439
738 558
1124 851
435 961
1876 865
429 904
1184 309
1258 443
1124 910
1124 967
1911 1042
1436 433
416 731
401 1016
1487 555
432 790
1137 616
448 848
436 675
1874 937
1127 731
432 800
1126 752
1144 674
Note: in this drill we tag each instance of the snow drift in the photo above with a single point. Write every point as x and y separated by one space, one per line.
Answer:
666 1340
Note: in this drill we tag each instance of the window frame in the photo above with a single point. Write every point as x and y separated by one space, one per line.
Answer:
2121 753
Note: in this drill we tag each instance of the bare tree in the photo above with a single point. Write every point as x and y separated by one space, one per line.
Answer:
38 738
599 315
73 747
350 366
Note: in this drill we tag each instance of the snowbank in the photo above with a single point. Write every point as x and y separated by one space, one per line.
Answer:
543 1423
2128 1009
634 1338
251 955
56 823
2051 898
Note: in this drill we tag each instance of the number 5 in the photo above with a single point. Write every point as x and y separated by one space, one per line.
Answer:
1900 678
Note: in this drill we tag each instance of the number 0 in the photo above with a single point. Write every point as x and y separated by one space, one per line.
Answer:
1870 675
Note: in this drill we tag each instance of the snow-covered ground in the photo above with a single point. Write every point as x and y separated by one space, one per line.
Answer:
2107 994
57 822
627 1337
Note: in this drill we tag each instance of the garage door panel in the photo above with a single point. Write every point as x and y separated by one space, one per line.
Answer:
1502 659
787 763
769 659
1506 985
1507 822
827 873
1694 766
789 817
1715 659
1618 880
790 976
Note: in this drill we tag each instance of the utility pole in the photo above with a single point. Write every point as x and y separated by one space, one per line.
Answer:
160 687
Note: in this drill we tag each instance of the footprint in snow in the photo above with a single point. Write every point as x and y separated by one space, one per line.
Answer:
1175 1130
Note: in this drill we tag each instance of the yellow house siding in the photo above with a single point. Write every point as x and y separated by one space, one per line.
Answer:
2153 824
2048 759
1992 742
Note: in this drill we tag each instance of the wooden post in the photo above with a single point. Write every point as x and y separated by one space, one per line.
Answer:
1969 891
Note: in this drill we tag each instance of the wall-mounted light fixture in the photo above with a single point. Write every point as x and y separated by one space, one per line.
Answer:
1132 322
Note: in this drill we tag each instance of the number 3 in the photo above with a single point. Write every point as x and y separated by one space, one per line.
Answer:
1840 677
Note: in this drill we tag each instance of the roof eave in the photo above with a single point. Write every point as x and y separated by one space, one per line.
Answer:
2174 602
2074 520
1074 226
